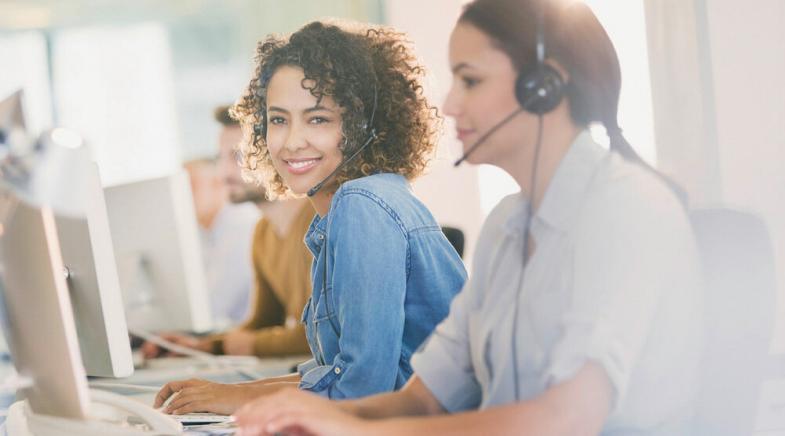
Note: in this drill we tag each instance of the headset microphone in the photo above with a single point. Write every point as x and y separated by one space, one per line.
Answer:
371 136
525 105
315 189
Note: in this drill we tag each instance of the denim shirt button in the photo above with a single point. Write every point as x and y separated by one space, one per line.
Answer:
320 236
337 371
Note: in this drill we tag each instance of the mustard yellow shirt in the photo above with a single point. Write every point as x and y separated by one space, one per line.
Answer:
282 272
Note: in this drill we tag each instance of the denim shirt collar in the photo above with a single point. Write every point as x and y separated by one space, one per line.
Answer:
317 231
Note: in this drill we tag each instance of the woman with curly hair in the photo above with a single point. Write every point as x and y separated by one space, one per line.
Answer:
339 115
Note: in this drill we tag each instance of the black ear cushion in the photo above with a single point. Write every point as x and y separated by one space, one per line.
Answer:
539 89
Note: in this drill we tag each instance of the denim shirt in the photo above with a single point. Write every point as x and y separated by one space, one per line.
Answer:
391 275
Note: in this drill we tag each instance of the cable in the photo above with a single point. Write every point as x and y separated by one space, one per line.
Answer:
527 225
209 359
125 386
212 361
15 382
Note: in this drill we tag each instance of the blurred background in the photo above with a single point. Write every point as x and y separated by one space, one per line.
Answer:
702 98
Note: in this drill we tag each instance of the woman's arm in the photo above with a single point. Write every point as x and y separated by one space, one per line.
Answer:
414 399
579 406
366 300
196 395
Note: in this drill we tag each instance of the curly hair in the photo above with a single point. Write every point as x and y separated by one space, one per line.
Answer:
360 68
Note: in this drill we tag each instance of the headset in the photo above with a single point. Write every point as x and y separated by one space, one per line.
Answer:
539 88
370 129
260 129
372 135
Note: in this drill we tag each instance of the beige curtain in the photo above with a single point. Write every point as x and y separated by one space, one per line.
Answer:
683 96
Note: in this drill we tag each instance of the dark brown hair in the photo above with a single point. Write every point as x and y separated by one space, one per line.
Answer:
355 66
222 115
575 39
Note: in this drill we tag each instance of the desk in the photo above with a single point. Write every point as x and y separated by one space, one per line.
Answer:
230 369
160 371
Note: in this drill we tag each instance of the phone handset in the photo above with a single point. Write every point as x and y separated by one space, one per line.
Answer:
111 415
157 421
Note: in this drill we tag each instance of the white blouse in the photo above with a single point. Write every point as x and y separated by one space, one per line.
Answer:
615 279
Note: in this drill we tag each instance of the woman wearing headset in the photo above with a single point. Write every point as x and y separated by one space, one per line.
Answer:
582 314
339 115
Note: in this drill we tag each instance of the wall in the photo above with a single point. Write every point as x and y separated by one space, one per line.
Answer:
720 108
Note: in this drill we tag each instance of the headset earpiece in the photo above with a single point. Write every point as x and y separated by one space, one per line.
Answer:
260 130
539 88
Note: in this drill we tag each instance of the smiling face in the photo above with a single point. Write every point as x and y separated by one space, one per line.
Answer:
482 94
303 133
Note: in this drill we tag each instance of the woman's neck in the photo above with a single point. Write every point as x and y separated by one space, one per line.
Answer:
321 201
557 137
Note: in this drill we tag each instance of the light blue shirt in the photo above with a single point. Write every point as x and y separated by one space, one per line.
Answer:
391 275
226 248
614 279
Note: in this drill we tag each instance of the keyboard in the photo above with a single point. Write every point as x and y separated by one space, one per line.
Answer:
201 418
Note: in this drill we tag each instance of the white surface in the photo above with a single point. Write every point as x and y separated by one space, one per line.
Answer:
40 328
94 287
771 408
156 244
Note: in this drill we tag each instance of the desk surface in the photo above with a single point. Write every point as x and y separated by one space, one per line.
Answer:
160 371
226 369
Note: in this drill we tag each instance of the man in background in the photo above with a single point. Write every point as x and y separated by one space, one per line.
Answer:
225 231
281 266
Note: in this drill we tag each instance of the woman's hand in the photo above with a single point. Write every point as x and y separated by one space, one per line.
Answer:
291 411
239 342
151 350
204 396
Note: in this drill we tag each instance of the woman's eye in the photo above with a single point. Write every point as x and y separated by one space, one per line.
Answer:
319 120
277 120
469 82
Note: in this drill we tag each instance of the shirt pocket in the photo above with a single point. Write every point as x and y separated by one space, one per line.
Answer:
305 319
324 317
479 344
324 309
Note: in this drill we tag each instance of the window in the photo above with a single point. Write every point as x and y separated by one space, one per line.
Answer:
626 25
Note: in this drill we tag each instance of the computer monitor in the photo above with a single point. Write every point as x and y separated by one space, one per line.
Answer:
94 286
156 243
82 235
39 325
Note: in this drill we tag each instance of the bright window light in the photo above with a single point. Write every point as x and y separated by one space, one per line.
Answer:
626 25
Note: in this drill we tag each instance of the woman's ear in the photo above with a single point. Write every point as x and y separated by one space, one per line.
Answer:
559 68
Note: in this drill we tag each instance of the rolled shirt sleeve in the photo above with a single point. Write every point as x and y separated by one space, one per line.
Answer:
624 264
444 362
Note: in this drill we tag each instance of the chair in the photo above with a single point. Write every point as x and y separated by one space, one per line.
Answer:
739 296
455 236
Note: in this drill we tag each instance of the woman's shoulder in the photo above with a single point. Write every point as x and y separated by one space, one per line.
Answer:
628 194
386 193
380 184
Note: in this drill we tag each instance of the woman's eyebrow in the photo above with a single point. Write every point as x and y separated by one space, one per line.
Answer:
461 66
277 109
318 107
